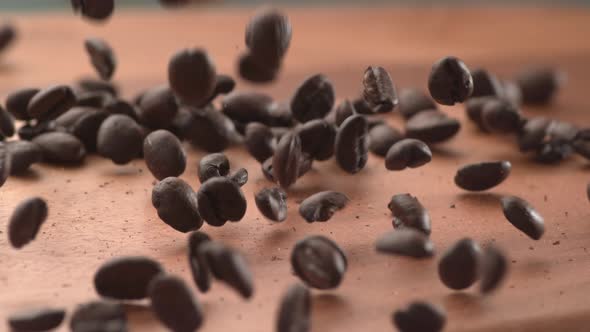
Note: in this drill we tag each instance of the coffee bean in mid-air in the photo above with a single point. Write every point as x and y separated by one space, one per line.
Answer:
174 304
221 200
294 314
486 84
352 148
379 91
408 212
413 101
321 206
539 85
34 320
523 216
319 262
494 267
213 165
407 153
482 176
450 81
405 242
287 159
197 261
163 154
126 278
101 56
420 317
176 204
22 155
432 127
458 267
272 203
97 10
317 139
99 316
313 99
229 266
382 137
192 76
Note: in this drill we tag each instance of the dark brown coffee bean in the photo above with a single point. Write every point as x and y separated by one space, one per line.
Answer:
317 139
8 35
99 316
382 137
209 130
22 155
321 206
286 160
420 317
239 177
362 107
28 131
450 81
553 152
379 91
405 242
95 99
26 220
539 85
482 176
86 128
268 35
459 265
51 102
512 93
500 116
343 111
294 314
119 106
406 153
313 99
532 134
6 123
413 101
98 10
246 107
163 154
352 144
523 216
305 165
494 268
557 142
474 107
432 127
102 57
197 261
5 163
70 117
59 147
95 85
192 76
174 304
36 320
581 143
120 139
272 203
213 165
319 262
259 141
281 116
254 70
229 266
224 84
126 278
485 84
408 212
18 101
157 107
220 200
176 203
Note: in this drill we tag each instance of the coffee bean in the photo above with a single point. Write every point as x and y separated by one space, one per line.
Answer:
362 107
321 206
523 216
557 142
474 107
36 320
406 153
259 141
319 262
86 128
95 85
8 35
413 101
405 242
450 81
99 316
420 317
382 137
268 35
246 107
317 139
157 107
539 85
102 57
6 123
485 84
379 91
174 304
163 154
98 10
512 93
408 212
192 76
197 261
220 200
313 99
494 268
5 163
500 116
458 266
51 102
286 160
343 111
209 130
432 127
352 144
239 177
213 165
294 314
22 155
18 101
120 106
119 139
581 143
126 278
230 267
26 220
553 152
254 70
532 134
95 99
28 131
272 203
176 203
482 176
224 84
60 147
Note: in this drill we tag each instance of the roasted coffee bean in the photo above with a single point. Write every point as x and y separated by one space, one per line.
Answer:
405 242
239 177
321 206
532 134
213 165
557 142
286 160
313 99
59 147
176 203
95 85
319 262
163 154
98 10
432 127
174 304
8 35
317 139
581 143
70 117
500 116
5 163
482 176
539 85
343 111
51 102
382 137
18 101
28 131
126 278
450 81
197 261
259 141
268 35
220 200
26 220
229 266
281 116
459 265
120 139
157 107
494 268
209 130
119 106
420 317
408 212
252 69
305 165
512 93
99 316
272 203
413 101
351 148
22 155
95 99
485 84
246 107
6 123
379 91
362 107
36 320
474 107
406 153
224 84
294 314
192 76
523 216
553 152
86 128
102 57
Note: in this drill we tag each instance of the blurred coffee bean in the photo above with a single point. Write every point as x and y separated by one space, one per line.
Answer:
317 139
412 101
408 212
319 262
294 314
102 57
17 103
500 116
59 147
8 35
239 177
343 111
174 304
432 127
272 203
99 316
28 131
254 70
362 107
98 10
96 99
523 216
220 200
5 163
382 137
126 278
246 107
321 206
163 154
532 134
259 141
95 85
157 107
229 266
407 153
268 35
176 204
197 261
351 148
22 155
539 85
512 93
209 130
485 84
458 267
313 99
379 91
192 76
494 267
213 165
120 106
36 320
405 242
581 143
119 139
482 176
420 317
474 108
450 81
86 128
26 220
51 102
286 160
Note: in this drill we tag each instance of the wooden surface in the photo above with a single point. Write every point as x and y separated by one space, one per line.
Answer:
101 210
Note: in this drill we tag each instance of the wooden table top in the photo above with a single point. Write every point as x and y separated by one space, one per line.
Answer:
101 210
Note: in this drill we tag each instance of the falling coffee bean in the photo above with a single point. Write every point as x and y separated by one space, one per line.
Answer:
209 130
343 111
246 107
406 153
86 127
305 165
6 123
8 35
286 160
321 206
539 85
96 85
99 316
432 127
294 314
378 90
163 154
192 76
581 143
485 84
532 135
259 141
120 139
382 137
101 56
482 176
224 84
22 155
474 107
317 139
220 200
36 320
272 203
352 144
408 212
414 101
268 35
458 267
494 268
52 102
213 165
60 147
98 10
450 81
96 99
17 103
176 203
420 317
255 70
229 266
174 304
313 99
512 93
30 131
26 220
126 278
405 242
500 116
523 216
157 107
319 262
5 163
197 261
239 177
